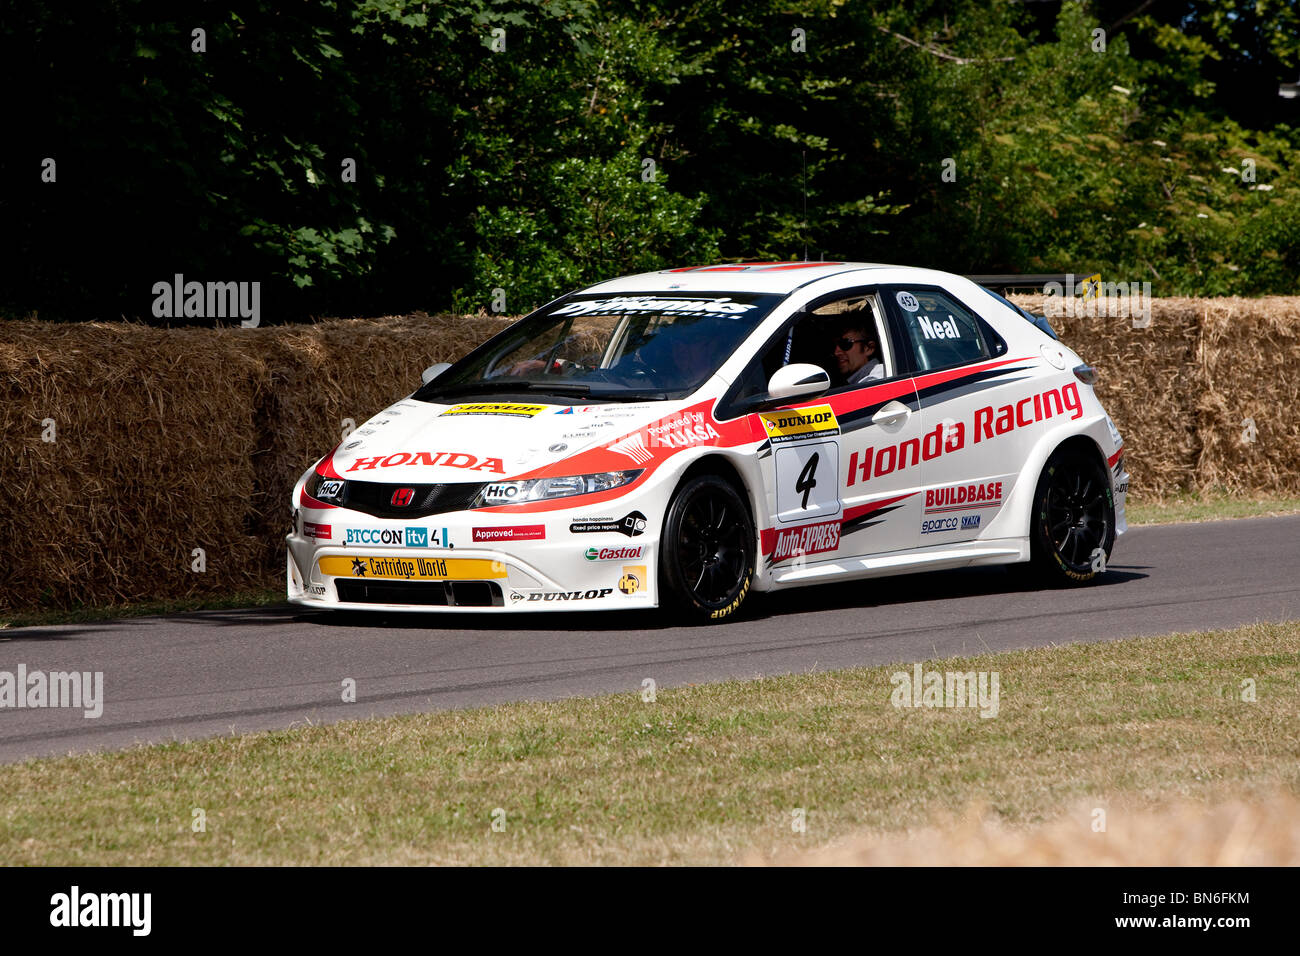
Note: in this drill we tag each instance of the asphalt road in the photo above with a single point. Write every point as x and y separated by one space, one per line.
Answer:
218 672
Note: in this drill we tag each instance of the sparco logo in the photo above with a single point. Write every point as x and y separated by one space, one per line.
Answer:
592 595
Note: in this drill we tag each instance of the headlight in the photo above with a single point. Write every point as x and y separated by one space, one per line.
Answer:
542 489
325 489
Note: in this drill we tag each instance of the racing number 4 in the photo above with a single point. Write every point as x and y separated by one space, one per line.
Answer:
807 479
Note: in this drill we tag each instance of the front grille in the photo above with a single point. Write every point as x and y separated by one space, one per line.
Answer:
425 593
376 498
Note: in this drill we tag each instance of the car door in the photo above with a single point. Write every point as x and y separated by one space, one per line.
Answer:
880 438
975 408
828 491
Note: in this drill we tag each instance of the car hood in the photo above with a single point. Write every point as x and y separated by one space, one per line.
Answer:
419 442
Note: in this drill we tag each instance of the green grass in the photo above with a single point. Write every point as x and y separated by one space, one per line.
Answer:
704 774
1208 508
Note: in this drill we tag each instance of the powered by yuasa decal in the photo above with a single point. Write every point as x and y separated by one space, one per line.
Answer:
948 437
648 446
684 429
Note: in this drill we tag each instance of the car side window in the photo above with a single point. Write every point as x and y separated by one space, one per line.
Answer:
847 323
850 340
941 332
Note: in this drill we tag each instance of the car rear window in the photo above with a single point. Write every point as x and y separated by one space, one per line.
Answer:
940 331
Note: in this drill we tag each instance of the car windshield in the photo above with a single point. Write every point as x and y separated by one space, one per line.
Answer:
660 345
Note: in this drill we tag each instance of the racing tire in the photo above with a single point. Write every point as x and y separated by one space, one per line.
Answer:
1073 517
706 558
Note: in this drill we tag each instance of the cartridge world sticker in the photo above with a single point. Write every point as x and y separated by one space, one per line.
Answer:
510 409
411 569
800 423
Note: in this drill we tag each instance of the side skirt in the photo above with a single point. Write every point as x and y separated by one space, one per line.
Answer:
934 558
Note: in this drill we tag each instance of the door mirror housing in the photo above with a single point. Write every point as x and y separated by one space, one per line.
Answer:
797 381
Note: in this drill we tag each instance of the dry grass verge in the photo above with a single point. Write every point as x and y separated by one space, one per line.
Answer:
1233 833
706 774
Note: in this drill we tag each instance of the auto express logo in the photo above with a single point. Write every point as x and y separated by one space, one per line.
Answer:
631 525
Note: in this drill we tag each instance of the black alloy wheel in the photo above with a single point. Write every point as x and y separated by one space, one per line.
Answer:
1073 525
707 554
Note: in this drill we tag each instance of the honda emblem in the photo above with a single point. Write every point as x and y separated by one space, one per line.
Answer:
402 497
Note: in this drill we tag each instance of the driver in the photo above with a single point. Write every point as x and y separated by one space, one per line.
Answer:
677 353
856 351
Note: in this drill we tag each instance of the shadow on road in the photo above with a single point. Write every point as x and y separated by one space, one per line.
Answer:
870 593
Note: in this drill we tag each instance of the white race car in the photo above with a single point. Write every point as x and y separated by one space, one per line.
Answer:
682 438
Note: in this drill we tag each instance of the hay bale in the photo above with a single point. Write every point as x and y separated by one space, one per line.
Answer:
1150 380
1250 360
171 440
149 461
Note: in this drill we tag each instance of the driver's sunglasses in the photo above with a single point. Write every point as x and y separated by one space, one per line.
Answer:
845 344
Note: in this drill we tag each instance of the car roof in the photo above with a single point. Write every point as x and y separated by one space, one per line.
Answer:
771 277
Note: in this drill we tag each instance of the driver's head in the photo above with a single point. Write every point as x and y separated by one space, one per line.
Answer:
679 350
690 349
853 346
689 357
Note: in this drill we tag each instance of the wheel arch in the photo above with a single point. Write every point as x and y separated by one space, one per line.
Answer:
713 463
731 470
743 473
1085 436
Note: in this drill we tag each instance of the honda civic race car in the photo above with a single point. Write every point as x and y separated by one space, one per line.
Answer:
682 438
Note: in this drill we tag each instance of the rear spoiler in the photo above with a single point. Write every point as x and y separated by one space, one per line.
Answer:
998 285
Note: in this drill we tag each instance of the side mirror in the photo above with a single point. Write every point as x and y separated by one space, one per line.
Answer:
433 371
796 381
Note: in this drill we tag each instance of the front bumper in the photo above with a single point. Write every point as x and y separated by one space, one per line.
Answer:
549 571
